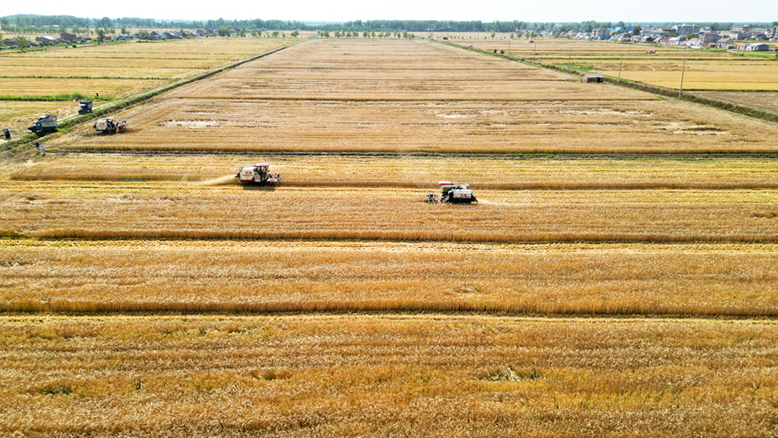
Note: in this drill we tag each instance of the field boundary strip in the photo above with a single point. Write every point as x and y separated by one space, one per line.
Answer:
381 307
69 122
388 236
736 108
550 185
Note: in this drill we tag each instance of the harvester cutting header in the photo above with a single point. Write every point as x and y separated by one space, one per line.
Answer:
452 192
258 174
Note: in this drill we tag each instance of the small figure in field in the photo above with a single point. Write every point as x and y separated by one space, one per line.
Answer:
7 133
38 146
41 148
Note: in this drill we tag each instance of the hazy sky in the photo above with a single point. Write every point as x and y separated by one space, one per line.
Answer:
344 10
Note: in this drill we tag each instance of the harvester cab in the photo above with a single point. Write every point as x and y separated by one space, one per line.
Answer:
452 192
258 174
85 107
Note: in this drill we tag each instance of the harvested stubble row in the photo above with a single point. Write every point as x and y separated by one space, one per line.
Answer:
130 210
346 376
483 172
271 276
493 127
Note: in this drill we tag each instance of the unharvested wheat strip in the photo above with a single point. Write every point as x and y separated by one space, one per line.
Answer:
403 171
700 280
354 376
153 210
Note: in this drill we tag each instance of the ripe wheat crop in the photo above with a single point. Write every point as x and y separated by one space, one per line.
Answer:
280 276
351 376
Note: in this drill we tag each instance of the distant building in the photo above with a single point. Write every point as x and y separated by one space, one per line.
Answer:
601 33
685 29
758 47
741 28
709 38
47 40
67 37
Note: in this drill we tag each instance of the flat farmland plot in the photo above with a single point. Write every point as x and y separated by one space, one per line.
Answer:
277 104
304 276
616 276
129 210
705 69
407 171
113 70
410 376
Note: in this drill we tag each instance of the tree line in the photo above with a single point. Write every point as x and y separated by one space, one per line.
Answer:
27 23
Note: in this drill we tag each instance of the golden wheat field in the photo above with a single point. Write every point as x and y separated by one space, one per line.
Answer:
304 276
304 99
617 276
110 70
705 69
385 376
409 171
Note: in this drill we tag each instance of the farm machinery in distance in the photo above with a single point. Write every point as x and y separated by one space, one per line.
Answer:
110 125
452 192
258 174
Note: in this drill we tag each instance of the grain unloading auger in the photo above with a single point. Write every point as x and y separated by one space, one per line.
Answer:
258 174
452 192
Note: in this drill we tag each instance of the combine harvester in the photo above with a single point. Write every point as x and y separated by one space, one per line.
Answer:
258 174
47 123
85 107
453 193
111 125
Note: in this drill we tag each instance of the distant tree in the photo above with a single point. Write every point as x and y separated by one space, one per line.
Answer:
650 40
76 29
336 34
636 30
100 35
691 35
620 24
143 35
294 34
493 35
365 34
276 33
22 42
242 32
259 32
4 21
223 31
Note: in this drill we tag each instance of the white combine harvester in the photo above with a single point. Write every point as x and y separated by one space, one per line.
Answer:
452 192
258 174
111 125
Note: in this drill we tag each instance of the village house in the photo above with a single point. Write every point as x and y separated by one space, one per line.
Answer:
67 37
709 38
725 43
47 40
685 29
758 47
601 33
